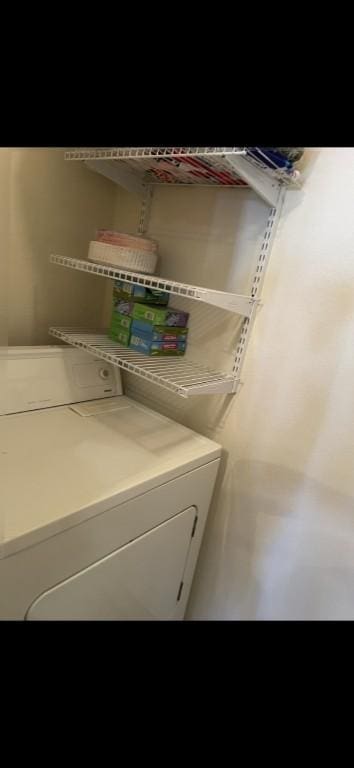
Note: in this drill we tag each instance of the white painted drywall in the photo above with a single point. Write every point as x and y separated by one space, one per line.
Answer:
279 542
49 205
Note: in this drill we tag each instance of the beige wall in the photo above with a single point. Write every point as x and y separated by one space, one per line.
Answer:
280 537
5 243
53 206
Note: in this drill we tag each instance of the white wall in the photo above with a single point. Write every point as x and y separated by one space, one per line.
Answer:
280 538
49 206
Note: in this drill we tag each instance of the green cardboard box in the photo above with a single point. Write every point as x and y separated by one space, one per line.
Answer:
136 292
121 321
160 316
120 335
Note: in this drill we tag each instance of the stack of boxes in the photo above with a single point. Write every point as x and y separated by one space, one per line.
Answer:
142 321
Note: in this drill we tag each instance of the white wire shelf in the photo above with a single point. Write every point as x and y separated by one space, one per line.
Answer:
177 375
233 302
205 166
150 158
109 153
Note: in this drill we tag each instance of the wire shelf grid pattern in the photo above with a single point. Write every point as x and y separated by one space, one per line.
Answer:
232 302
182 377
211 166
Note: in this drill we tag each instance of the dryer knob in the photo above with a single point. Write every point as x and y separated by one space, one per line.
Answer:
104 373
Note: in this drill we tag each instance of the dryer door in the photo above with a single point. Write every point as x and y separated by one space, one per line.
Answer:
141 580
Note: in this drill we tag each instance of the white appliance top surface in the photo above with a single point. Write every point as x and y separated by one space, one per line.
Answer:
61 465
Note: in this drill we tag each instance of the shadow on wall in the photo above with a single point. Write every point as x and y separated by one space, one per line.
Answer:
56 207
5 243
306 166
208 237
279 547
308 160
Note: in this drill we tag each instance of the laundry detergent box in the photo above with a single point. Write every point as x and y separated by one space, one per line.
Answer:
160 316
158 332
157 348
141 293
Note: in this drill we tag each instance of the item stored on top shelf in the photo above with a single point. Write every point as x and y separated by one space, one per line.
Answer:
158 332
126 241
188 169
159 316
157 348
141 293
271 158
133 260
294 154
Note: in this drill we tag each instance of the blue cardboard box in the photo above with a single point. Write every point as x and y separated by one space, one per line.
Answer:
157 348
158 332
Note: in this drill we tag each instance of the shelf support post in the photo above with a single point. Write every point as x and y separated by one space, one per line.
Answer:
258 279
265 186
145 209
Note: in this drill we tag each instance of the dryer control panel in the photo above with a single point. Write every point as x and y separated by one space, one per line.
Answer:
43 377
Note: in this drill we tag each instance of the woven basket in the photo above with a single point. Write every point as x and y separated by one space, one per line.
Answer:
126 258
